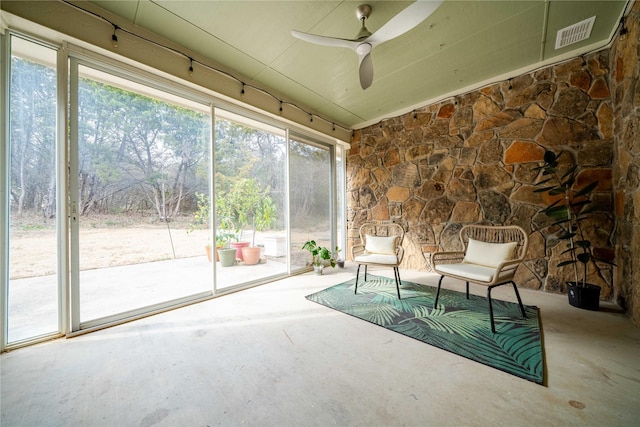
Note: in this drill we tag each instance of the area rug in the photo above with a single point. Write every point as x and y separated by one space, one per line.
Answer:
458 325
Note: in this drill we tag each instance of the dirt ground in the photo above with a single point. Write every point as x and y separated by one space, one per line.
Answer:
105 242
33 253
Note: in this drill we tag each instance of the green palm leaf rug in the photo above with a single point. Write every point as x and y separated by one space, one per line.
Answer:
458 325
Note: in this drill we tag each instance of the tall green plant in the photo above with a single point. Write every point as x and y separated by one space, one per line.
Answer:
246 203
570 208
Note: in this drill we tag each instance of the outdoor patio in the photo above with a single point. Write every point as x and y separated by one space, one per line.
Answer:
108 291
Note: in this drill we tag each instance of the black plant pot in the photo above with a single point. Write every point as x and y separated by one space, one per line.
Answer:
587 297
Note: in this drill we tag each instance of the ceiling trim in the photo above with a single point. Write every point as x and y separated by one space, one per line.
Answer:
467 89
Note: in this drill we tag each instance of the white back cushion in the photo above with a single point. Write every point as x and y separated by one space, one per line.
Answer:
488 254
380 245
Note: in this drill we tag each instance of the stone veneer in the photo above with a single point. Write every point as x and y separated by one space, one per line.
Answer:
625 90
472 159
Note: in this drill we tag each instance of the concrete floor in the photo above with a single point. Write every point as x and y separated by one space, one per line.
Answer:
267 356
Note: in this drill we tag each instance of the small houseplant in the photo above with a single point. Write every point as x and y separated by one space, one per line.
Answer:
569 209
321 255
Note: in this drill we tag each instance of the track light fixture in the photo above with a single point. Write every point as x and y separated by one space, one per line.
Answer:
114 38
115 44
242 90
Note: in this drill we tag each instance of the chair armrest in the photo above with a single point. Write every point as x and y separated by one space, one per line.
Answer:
399 253
509 265
356 250
446 258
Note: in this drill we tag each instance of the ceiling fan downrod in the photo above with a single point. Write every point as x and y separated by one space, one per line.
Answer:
362 12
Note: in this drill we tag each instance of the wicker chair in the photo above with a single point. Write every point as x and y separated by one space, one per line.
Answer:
381 246
491 257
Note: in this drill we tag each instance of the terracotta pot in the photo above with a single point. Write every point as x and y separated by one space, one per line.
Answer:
251 255
209 252
238 247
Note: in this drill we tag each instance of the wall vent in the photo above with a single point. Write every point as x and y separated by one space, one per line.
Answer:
575 33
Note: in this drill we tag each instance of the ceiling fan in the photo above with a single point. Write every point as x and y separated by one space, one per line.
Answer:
365 41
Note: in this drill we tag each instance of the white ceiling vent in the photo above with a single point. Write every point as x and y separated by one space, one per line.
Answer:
575 33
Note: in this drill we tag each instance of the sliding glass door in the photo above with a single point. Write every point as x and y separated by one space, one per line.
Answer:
139 184
312 195
250 200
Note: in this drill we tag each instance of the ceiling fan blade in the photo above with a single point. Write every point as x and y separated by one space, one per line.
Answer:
366 71
324 40
404 21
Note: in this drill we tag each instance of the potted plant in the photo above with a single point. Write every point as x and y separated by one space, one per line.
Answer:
569 209
224 254
224 234
227 256
246 203
262 215
321 256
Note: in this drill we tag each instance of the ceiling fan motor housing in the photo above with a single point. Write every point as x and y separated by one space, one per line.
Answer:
363 11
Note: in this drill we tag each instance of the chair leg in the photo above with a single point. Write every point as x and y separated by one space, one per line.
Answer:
435 303
396 274
493 325
357 273
515 288
365 272
467 290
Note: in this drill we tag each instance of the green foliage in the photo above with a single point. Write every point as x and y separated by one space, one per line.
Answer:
569 211
137 149
244 204
320 254
202 213
311 173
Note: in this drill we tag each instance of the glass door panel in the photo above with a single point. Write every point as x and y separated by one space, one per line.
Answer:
33 277
311 195
250 200
141 201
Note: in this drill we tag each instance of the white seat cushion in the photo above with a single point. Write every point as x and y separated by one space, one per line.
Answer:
472 272
488 254
377 259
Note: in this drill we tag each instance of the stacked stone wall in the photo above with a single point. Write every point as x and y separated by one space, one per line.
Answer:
625 87
473 159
